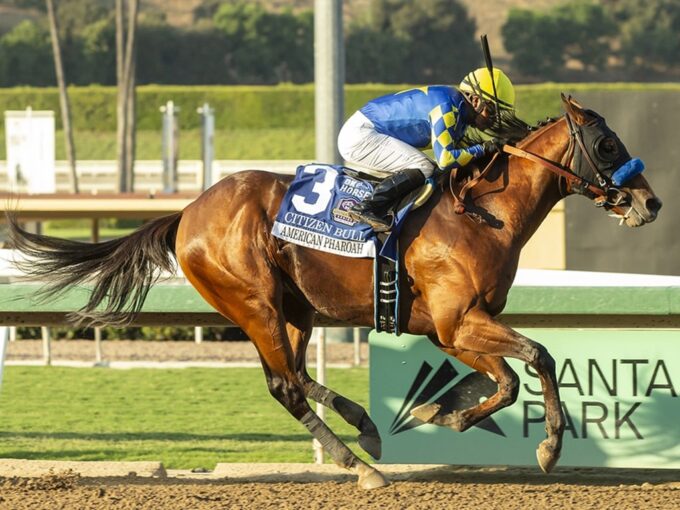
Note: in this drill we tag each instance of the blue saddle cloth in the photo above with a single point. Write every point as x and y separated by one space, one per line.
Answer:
313 213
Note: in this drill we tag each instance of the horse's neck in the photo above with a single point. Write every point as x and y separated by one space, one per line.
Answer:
534 190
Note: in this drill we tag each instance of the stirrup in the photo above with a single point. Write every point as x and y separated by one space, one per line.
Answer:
376 223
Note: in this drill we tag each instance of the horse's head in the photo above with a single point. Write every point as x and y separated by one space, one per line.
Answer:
600 157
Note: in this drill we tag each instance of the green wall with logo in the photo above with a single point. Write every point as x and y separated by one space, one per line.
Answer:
619 389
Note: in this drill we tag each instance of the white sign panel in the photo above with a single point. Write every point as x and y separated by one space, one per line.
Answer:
30 150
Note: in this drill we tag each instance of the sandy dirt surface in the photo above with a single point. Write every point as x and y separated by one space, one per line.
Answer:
483 488
449 487
140 350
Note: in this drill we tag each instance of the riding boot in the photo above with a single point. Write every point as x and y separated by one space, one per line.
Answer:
374 210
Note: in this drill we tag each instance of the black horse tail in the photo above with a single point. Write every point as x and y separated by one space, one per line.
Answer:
121 271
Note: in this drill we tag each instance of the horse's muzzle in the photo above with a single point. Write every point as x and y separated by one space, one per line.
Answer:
642 213
652 206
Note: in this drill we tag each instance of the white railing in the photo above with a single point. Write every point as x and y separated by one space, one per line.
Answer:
10 274
101 176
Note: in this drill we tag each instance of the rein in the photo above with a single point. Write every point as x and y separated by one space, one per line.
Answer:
603 195
555 168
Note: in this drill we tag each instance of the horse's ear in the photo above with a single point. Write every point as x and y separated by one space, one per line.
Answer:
574 109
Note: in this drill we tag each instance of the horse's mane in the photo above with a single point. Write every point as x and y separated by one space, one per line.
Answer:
512 130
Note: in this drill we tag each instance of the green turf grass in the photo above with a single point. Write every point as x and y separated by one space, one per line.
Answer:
186 418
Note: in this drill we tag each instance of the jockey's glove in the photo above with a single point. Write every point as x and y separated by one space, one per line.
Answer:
492 146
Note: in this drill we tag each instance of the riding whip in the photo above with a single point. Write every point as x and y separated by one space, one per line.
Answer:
489 67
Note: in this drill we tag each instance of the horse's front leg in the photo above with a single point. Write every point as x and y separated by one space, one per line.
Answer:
493 367
479 333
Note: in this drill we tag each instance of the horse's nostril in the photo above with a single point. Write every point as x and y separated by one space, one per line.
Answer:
653 205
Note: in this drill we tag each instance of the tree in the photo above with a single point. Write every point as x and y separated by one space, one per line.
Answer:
26 56
541 42
587 31
440 35
404 41
99 53
266 47
64 102
534 41
650 31
27 4
167 54
75 15
376 56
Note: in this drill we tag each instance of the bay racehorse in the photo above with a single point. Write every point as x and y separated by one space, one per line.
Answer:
456 274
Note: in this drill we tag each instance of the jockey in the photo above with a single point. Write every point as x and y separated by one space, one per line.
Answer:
390 132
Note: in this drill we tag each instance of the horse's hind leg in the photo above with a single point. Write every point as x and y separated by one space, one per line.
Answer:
256 306
300 321
352 413
285 386
461 420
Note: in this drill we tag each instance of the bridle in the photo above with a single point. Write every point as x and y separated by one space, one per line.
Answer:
603 194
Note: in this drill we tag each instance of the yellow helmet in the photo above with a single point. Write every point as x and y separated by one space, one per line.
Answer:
478 82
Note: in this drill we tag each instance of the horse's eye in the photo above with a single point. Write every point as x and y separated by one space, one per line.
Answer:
609 145
607 148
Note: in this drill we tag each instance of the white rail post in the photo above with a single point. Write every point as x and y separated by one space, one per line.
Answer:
98 345
47 345
329 81
357 346
4 338
170 146
207 147
321 379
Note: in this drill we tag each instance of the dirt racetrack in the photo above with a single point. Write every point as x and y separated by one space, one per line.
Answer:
167 351
440 487
248 487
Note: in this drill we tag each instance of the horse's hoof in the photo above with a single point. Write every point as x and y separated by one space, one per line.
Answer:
425 412
547 456
371 444
454 420
370 478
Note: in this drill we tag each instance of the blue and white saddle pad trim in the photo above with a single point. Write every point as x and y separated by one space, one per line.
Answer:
314 212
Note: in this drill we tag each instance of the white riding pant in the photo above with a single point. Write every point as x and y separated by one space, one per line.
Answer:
360 144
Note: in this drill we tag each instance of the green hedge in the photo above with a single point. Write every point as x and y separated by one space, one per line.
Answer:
249 107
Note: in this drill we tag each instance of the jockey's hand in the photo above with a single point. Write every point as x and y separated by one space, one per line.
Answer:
492 146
